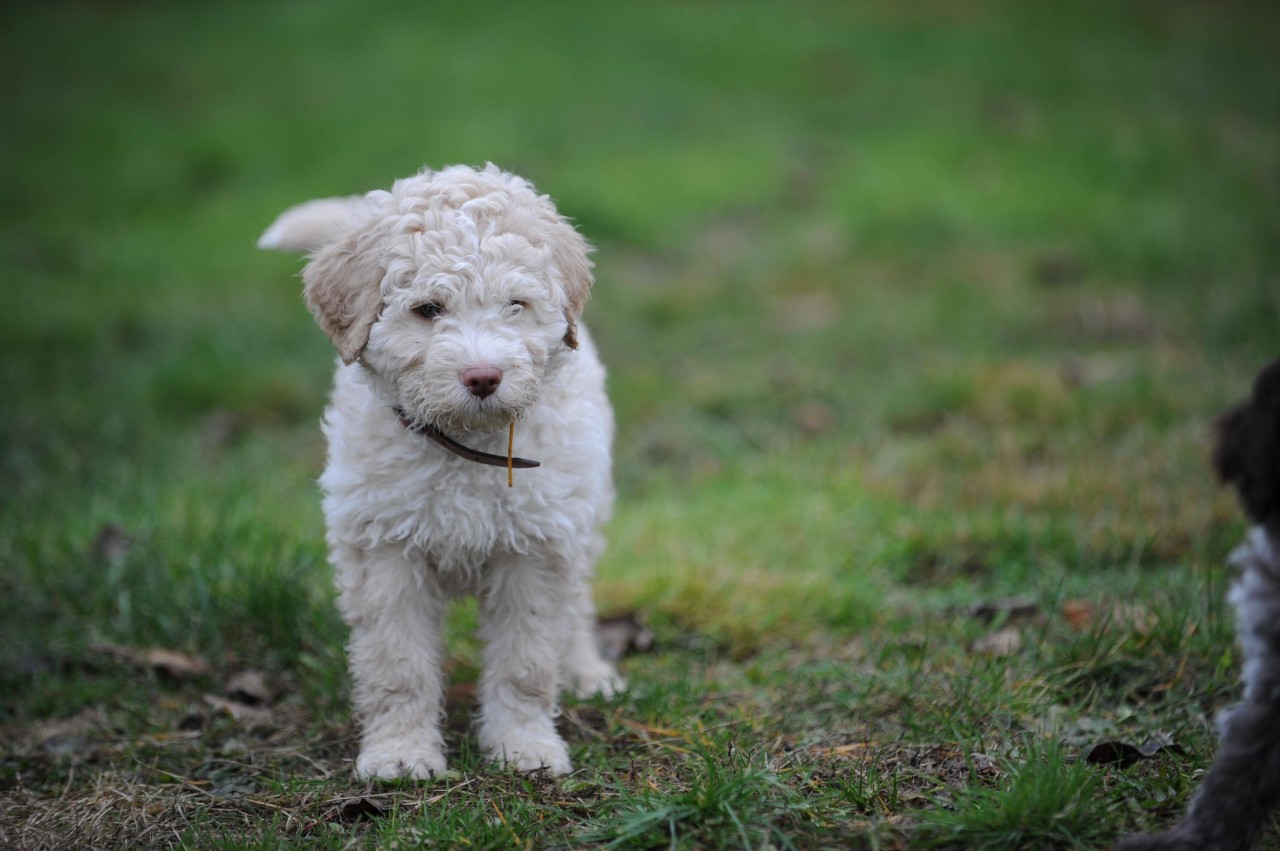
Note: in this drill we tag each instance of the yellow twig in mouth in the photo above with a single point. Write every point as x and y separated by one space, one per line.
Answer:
511 442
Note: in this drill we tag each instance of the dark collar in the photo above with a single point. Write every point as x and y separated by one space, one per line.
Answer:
428 430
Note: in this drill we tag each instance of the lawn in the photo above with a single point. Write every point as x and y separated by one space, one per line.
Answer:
917 318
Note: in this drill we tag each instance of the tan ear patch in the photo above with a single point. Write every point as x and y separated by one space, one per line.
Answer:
343 291
570 253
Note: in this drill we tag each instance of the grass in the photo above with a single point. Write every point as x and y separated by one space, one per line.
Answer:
1046 803
916 321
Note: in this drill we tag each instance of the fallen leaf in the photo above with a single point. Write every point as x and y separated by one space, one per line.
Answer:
851 749
983 763
191 721
1083 614
248 687
250 716
618 635
1010 608
1124 754
1002 642
179 666
355 809
171 663
73 737
234 746
584 723
1077 613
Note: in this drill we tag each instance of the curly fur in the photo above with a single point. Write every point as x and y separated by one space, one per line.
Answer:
410 526
1243 784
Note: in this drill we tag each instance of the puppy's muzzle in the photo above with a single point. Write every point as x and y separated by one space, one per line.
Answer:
482 381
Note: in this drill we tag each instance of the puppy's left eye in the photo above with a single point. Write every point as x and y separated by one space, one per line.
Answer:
518 304
429 311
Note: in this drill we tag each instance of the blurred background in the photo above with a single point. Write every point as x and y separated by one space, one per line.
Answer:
916 287
903 304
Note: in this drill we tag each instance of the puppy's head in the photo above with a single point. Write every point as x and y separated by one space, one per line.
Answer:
458 290
1247 454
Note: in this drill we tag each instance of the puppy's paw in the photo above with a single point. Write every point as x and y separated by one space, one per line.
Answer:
393 760
532 752
599 679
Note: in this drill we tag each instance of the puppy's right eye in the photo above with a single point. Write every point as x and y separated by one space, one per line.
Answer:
430 310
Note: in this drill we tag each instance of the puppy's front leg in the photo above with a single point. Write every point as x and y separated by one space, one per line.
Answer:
524 617
395 609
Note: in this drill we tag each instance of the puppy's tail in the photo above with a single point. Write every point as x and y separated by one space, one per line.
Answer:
309 226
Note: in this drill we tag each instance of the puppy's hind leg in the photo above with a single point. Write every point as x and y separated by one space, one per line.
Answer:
585 670
395 609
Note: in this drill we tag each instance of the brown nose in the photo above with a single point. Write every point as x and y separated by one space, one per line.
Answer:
481 380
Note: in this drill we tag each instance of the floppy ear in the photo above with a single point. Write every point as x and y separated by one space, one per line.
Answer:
1231 450
1247 452
343 291
570 255
310 225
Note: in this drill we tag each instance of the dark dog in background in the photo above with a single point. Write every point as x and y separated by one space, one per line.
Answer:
1243 783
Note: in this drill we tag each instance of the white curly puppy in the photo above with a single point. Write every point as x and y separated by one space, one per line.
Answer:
454 302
